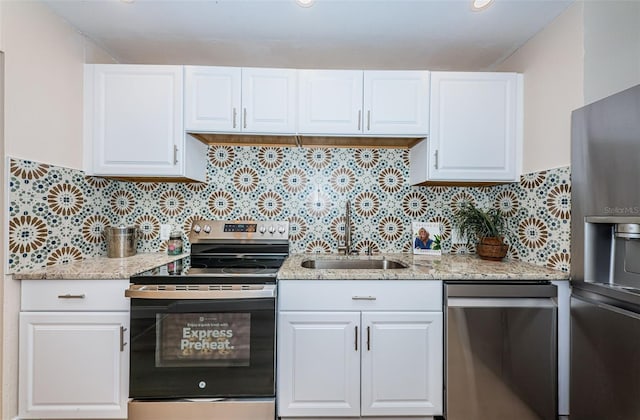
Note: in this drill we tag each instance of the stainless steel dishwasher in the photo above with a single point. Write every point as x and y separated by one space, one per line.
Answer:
500 350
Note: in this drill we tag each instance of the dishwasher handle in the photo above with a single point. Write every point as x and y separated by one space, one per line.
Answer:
496 290
484 302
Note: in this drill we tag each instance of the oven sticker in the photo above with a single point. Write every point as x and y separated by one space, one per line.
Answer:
203 339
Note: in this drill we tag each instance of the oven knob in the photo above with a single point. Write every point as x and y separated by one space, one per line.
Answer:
197 228
206 228
202 384
281 230
262 229
272 229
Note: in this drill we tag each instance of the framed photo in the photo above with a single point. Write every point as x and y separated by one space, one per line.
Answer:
426 238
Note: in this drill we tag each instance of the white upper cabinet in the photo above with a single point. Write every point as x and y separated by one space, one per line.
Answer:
134 123
235 100
475 132
269 100
353 102
212 98
330 102
396 103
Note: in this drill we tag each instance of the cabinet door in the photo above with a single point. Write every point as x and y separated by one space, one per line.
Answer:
330 102
476 126
134 119
396 102
73 365
212 98
318 364
268 100
402 363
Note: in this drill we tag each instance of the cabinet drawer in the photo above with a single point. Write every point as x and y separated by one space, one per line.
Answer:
357 295
74 295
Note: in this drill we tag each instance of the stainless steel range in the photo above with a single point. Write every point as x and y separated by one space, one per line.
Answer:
203 328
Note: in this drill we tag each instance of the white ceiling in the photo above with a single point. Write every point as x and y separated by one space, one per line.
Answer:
362 34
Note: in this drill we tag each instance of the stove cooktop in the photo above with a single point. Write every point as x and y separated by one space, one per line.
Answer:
184 271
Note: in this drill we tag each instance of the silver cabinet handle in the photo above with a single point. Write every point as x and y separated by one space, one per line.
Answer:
436 159
244 112
70 296
235 114
368 338
175 154
122 342
369 120
356 338
359 118
363 298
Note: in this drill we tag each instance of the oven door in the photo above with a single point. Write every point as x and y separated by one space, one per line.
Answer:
201 343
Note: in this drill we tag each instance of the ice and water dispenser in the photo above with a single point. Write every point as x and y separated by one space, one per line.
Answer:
612 251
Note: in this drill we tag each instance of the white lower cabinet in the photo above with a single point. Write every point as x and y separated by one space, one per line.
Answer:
401 363
319 369
373 358
74 362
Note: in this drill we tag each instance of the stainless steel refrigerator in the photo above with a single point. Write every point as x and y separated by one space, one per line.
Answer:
605 259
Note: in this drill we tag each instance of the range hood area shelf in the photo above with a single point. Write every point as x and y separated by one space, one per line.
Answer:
306 141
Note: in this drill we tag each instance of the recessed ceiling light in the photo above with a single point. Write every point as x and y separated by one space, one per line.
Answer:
481 4
304 3
127 1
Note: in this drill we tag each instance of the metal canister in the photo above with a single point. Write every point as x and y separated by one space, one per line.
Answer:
122 241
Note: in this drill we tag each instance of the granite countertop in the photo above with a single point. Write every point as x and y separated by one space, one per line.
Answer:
100 267
421 267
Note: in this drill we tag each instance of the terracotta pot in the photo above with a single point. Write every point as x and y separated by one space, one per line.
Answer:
492 248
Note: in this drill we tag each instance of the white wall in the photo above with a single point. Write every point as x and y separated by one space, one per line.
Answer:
2 199
44 60
612 47
553 67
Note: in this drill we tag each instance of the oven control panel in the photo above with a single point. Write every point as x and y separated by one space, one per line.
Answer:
241 229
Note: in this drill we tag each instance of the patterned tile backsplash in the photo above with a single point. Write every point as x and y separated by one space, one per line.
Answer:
57 214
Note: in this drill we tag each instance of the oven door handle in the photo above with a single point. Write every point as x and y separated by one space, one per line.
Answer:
154 292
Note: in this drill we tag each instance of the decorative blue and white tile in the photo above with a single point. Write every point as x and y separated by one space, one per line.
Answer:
58 214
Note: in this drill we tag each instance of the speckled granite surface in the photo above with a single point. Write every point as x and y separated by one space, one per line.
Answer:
420 267
99 267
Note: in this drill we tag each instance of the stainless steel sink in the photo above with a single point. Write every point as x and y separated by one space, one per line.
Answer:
328 264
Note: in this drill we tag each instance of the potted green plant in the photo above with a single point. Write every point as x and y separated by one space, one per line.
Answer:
485 227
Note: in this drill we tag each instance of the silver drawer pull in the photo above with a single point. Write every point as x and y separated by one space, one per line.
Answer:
122 342
70 296
363 297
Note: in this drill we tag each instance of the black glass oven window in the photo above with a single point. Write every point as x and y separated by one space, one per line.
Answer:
203 339
158 374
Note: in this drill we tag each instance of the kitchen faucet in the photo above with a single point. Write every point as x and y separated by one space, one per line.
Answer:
347 231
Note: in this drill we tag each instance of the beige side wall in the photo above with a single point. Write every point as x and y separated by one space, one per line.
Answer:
2 201
552 64
44 64
44 60
612 47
